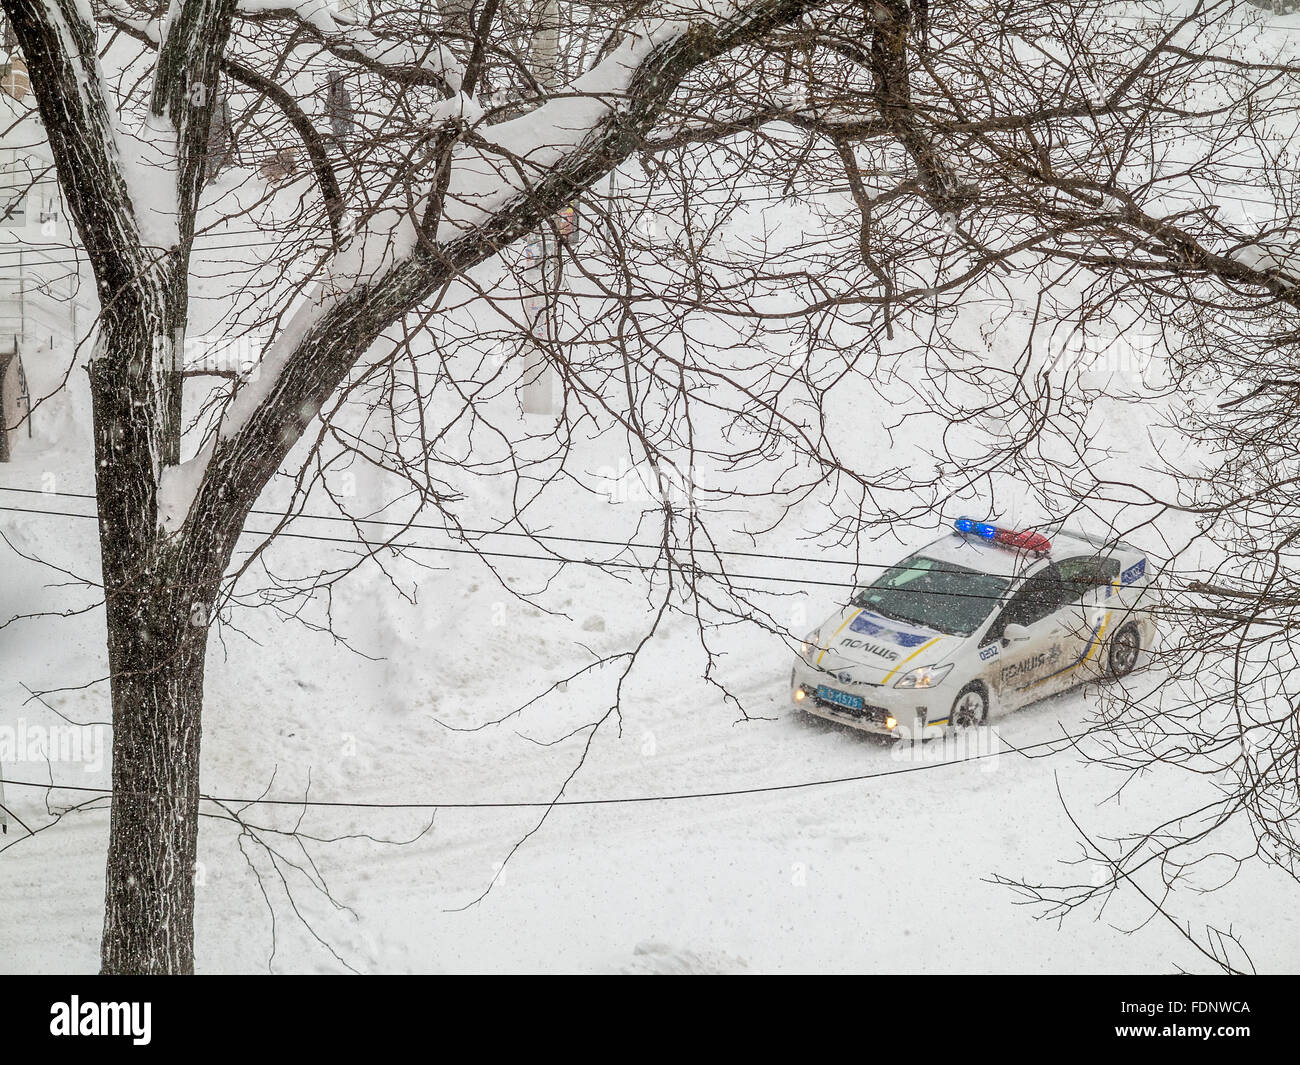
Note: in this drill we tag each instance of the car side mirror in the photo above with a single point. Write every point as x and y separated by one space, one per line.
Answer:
1014 634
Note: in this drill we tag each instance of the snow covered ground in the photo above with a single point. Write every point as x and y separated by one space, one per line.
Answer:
698 835
889 873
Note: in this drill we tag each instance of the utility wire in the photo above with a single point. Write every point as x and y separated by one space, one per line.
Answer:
307 515
1068 739
961 571
661 567
731 580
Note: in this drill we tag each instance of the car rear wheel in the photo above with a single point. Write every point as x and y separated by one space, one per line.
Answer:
1122 654
970 708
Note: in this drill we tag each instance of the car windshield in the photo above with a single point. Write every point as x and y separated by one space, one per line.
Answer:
938 595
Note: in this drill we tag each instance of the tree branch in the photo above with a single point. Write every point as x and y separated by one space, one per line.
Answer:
320 346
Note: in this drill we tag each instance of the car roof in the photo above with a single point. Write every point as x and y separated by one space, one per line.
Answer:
975 553
1088 542
980 555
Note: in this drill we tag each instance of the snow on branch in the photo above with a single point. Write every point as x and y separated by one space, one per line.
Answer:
505 161
505 180
431 63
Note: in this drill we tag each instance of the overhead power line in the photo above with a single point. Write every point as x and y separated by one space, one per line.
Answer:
552 537
659 567
1067 740
667 567
733 581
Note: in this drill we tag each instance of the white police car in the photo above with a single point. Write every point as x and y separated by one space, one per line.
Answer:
976 624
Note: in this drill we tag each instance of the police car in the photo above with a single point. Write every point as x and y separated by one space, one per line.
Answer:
976 624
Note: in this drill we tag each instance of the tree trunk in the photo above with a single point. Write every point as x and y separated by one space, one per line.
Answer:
156 653
158 591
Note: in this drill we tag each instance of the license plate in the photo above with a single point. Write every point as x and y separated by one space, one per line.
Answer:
844 699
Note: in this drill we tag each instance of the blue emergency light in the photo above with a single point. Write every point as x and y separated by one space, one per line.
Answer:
1024 541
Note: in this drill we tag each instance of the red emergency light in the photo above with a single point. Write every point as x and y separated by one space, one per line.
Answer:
1028 540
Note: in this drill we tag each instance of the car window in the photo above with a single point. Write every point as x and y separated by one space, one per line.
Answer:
1042 594
1081 574
939 595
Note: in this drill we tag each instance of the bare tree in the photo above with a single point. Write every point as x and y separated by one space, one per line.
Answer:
974 150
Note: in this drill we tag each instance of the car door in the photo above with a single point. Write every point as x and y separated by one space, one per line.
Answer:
1032 650
1088 588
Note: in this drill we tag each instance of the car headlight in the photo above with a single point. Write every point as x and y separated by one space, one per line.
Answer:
810 642
923 677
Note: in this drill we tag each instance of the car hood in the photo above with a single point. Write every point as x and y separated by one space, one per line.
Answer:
860 646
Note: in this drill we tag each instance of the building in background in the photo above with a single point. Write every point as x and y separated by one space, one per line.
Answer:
43 304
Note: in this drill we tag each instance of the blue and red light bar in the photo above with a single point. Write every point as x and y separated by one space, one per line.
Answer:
1022 541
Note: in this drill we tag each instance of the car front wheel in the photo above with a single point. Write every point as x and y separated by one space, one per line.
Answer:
970 708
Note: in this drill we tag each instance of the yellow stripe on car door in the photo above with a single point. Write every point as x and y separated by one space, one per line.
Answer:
1101 632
